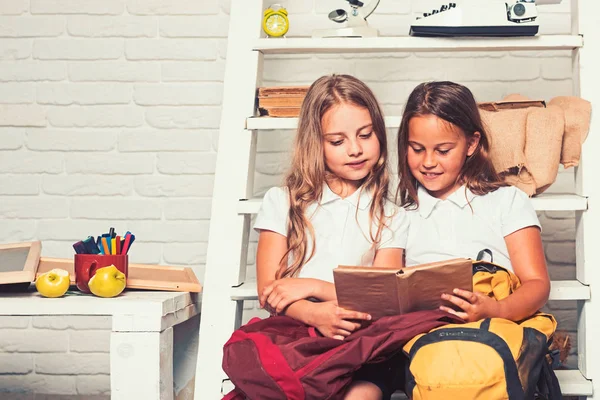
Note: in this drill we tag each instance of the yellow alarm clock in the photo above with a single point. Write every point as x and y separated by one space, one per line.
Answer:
275 21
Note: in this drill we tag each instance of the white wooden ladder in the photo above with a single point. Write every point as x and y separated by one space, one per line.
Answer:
225 286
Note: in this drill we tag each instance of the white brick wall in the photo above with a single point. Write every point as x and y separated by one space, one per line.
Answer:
66 355
109 116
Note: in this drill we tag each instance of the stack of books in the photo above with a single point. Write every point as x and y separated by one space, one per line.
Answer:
281 101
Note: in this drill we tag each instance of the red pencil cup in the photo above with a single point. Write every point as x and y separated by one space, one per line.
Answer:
86 266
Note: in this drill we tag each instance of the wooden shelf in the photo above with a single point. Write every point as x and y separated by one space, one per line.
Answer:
246 291
560 290
569 290
415 44
573 383
559 202
543 202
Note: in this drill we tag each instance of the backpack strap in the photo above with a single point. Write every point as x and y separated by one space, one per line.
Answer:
481 254
548 386
235 394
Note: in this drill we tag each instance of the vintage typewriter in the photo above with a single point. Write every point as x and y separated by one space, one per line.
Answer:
480 18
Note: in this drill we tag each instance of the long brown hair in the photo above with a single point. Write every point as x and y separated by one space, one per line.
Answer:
455 104
308 171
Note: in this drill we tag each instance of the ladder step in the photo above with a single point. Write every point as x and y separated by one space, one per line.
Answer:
246 291
227 386
559 202
415 44
543 202
572 383
559 290
569 290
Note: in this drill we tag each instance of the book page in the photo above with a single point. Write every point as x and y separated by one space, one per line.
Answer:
425 284
367 289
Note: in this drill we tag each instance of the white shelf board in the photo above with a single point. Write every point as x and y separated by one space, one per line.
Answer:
569 290
543 202
559 202
246 291
415 44
573 383
227 386
560 290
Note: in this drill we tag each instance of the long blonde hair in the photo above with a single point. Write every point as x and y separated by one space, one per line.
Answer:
308 171
455 104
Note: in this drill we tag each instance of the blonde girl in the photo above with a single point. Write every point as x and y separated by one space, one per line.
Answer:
332 210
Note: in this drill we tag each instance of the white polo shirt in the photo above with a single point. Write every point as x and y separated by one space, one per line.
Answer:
444 229
341 230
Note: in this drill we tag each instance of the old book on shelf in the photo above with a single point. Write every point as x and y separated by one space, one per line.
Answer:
266 102
282 112
282 91
385 291
280 101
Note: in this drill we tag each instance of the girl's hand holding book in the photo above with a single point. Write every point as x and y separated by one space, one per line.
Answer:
475 305
336 322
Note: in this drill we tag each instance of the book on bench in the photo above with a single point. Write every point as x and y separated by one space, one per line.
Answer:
385 291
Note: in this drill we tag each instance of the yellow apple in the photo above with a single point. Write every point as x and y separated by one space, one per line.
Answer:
53 283
107 282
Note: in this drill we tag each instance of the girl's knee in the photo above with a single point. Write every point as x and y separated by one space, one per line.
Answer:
362 390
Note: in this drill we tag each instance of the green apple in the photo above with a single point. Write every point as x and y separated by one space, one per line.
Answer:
53 283
107 282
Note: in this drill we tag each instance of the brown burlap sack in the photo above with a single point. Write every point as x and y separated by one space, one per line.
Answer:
577 113
529 140
543 142
506 130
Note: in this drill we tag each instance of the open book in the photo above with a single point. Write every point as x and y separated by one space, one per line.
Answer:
385 291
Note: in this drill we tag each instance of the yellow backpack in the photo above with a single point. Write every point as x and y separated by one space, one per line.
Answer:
489 359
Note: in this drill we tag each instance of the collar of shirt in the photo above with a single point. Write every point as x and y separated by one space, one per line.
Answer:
461 197
361 198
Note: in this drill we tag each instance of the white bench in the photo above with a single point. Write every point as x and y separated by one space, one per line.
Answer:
141 341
